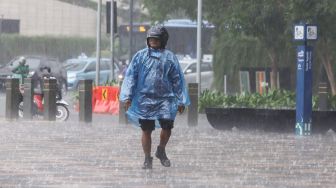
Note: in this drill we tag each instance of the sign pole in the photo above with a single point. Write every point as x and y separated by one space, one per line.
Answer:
98 42
304 32
112 77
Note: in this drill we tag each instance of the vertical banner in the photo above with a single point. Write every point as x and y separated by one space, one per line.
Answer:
300 55
308 92
304 91
304 53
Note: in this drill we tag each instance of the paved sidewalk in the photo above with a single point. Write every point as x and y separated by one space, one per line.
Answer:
106 154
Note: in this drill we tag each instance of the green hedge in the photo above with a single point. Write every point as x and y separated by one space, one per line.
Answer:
275 99
58 47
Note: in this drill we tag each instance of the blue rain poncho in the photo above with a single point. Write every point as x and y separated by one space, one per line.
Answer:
155 84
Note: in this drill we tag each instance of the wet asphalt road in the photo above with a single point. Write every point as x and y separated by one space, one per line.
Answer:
106 154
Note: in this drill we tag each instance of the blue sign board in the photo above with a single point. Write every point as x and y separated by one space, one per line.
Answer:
304 32
304 90
300 54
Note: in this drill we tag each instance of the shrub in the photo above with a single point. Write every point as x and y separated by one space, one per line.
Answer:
274 99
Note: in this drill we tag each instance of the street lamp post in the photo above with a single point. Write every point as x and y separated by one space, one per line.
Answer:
199 38
98 42
131 31
112 39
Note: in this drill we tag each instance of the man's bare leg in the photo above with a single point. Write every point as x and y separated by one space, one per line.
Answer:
146 141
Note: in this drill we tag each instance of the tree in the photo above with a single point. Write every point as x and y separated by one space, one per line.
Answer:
268 21
322 13
160 10
264 20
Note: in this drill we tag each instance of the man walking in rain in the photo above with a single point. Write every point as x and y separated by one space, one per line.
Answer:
154 91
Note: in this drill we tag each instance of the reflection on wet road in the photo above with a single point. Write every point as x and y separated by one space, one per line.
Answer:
106 154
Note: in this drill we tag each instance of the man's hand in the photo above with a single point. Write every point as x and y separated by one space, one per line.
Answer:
180 109
127 104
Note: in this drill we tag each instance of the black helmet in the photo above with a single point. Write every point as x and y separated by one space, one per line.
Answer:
160 33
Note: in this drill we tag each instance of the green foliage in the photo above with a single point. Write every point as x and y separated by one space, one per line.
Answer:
232 53
111 83
107 83
267 23
58 47
82 3
160 10
274 99
332 100
210 98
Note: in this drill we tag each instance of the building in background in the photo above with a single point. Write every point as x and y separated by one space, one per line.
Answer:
46 17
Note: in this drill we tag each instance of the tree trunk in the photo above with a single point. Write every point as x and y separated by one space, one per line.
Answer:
326 61
274 72
330 75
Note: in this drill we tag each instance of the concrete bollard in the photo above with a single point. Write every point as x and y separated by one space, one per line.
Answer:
323 96
12 98
28 102
49 95
122 110
85 101
193 107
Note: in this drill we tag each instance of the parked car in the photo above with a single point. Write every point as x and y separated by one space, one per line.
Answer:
189 69
67 64
86 69
35 64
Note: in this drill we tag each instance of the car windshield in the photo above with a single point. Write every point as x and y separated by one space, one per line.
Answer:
77 66
68 65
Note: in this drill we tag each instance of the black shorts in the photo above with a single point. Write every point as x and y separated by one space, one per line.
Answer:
149 125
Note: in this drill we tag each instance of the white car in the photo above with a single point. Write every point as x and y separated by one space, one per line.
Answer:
189 69
86 69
